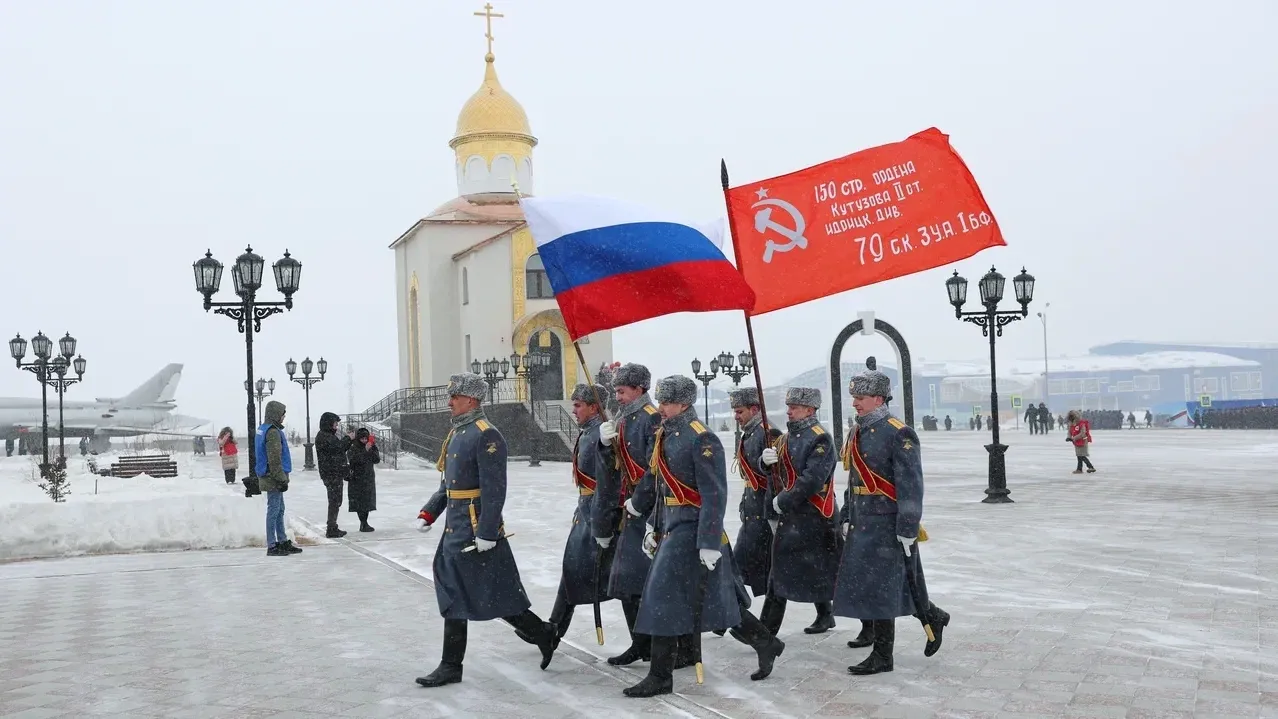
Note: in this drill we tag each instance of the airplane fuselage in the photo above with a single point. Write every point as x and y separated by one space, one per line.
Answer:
79 418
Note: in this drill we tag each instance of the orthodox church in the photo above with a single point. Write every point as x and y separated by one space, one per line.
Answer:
469 283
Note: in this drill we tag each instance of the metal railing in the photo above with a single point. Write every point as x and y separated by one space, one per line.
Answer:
554 418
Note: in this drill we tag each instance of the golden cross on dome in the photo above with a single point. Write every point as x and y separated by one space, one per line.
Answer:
488 16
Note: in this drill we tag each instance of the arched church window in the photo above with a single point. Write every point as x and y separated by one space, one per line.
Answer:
465 287
536 281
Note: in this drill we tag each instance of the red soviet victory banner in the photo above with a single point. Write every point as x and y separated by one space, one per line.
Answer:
871 216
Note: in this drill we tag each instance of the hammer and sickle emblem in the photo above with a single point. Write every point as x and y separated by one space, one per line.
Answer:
763 222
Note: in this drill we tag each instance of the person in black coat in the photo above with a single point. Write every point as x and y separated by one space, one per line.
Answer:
331 449
362 494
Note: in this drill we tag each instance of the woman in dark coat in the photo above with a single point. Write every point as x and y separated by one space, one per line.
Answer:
362 492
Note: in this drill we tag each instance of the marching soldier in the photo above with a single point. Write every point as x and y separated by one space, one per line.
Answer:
584 580
805 553
476 578
752 553
691 587
881 575
634 432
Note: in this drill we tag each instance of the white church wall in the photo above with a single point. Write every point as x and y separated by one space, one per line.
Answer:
597 350
402 275
487 319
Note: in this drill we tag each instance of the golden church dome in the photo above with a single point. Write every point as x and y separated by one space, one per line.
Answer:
492 112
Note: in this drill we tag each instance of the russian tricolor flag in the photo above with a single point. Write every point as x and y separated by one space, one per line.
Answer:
612 263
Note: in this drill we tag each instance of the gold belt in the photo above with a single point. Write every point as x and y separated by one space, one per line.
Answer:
675 502
463 494
586 491
862 490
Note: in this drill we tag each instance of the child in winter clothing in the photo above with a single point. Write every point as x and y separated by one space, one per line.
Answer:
229 453
1080 435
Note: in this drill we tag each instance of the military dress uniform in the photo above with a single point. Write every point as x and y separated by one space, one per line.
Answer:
637 424
807 546
584 580
476 578
691 587
752 552
877 580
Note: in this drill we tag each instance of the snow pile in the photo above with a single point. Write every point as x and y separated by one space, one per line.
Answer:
138 514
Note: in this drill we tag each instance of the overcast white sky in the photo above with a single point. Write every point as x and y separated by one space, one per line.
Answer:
1127 149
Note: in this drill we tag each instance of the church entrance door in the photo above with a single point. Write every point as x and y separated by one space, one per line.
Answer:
548 383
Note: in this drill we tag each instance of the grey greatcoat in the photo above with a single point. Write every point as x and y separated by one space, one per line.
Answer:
474 585
805 555
692 497
752 552
636 429
872 581
590 462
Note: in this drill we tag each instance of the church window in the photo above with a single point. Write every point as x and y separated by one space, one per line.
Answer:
465 287
536 280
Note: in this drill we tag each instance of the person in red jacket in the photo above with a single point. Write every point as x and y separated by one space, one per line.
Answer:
1080 435
229 453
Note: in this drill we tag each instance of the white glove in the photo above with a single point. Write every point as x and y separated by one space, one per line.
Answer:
650 545
630 507
769 456
775 505
773 523
607 432
905 542
603 542
710 557
422 526
846 527
483 545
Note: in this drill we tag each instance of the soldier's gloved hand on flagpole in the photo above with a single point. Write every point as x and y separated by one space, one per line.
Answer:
769 456
905 542
607 432
483 545
603 542
630 507
710 557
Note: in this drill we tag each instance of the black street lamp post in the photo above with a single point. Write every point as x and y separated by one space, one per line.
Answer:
494 372
532 364
705 381
990 318
744 362
50 373
260 391
307 381
247 312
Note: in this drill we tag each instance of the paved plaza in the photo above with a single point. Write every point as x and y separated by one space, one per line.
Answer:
1146 590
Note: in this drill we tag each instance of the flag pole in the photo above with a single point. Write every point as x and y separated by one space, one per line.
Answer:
736 254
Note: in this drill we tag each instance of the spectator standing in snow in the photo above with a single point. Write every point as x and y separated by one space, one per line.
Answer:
273 467
333 469
1080 435
362 494
229 453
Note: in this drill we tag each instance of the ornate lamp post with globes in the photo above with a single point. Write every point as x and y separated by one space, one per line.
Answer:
494 371
260 391
990 318
705 378
247 312
307 381
531 365
743 364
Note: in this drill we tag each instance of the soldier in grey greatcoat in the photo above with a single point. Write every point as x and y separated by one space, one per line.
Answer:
752 553
881 575
591 461
805 552
629 438
693 557
476 578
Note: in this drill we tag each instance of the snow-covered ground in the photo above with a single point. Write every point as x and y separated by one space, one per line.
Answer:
1146 590
112 514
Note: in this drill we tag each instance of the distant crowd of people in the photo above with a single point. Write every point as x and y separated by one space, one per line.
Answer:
1240 418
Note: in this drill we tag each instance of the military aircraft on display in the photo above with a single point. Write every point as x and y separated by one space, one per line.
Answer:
146 410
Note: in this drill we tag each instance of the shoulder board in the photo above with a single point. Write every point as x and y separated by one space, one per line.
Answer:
698 427
483 425
898 424
649 409
818 430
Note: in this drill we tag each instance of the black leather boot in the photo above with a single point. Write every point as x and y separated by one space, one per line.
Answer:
752 632
685 653
773 613
880 659
824 619
938 619
660 679
640 644
865 638
449 670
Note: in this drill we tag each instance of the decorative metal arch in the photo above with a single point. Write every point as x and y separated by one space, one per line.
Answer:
836 379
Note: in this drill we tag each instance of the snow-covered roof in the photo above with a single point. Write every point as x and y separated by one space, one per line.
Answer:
1147 362
1219 345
